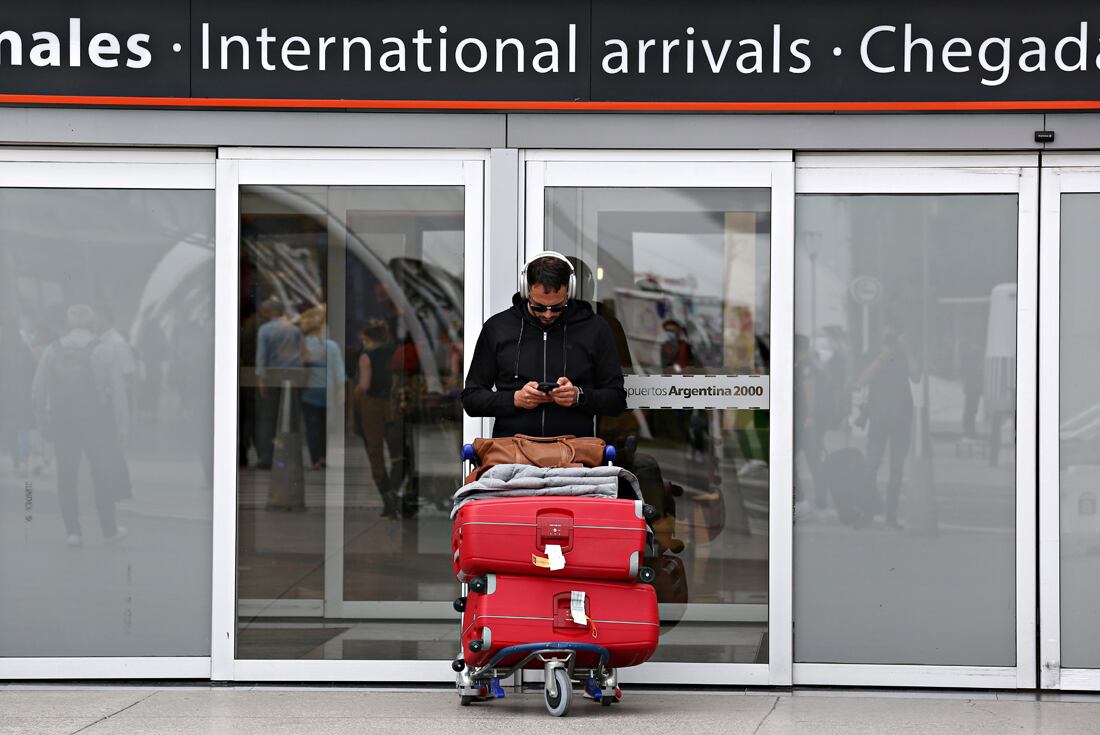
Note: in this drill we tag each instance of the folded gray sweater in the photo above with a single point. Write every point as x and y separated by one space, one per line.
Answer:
522 480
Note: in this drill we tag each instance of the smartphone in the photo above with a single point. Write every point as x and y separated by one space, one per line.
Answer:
547 387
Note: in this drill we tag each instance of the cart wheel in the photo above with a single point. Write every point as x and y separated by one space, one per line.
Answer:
558 705
646 575
458 664
460 604
479 585
606 701
465 700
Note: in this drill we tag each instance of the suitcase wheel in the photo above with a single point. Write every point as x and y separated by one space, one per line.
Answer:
481 696
646 575
476 645
558 705
460 604
458 664
649 512
479 585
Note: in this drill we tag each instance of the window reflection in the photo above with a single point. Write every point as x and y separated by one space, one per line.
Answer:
905 353
106 416
351 349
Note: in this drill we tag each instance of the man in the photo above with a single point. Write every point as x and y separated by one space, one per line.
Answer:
278 361
72 393
890 414
547 337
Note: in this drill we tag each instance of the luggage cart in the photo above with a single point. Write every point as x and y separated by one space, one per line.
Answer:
560 670
559 659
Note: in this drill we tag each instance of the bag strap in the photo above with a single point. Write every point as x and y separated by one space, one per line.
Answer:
544 439
522 453
564 448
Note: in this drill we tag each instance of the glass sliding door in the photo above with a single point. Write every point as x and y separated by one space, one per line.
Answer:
914 443
1070 455
356 292
106 374
678 258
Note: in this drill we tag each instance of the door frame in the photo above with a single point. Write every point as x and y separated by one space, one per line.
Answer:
1061 174
773 170
238 167
106 168
911 173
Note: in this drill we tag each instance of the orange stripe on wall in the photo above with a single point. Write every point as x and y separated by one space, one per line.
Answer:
548 105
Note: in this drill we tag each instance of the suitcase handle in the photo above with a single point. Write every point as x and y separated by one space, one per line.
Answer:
554 527
563 617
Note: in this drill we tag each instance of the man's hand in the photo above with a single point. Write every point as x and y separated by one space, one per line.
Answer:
565 394
529 396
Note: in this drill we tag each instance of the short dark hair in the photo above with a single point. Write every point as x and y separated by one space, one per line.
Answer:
549 272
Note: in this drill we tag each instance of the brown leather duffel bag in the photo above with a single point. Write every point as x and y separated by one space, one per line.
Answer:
539 451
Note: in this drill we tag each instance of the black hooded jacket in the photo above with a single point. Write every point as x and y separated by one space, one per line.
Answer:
514 349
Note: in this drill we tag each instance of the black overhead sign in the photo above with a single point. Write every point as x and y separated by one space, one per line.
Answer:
565 54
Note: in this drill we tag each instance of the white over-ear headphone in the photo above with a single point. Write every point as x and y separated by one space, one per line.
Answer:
571 291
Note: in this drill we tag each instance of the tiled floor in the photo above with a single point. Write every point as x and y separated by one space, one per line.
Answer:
67 710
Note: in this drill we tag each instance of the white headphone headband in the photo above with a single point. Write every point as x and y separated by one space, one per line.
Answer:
571 291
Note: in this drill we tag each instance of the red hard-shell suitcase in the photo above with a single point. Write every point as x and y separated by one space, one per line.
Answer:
515 611
600 538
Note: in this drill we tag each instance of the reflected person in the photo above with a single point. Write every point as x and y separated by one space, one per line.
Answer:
407 402
373 407
890 414
324 388
676 351
969 362
676 359
278 359
70 393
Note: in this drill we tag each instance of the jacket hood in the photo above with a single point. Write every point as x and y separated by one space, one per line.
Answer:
577 311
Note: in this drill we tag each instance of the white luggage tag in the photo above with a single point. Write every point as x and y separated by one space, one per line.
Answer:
557 559
554 559
576 608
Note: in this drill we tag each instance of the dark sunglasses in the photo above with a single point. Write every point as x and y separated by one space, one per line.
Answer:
540 308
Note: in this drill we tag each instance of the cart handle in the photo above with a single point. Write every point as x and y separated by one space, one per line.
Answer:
551 646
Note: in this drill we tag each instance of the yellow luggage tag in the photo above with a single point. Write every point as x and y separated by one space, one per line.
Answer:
554 559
